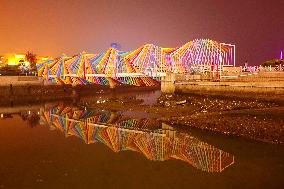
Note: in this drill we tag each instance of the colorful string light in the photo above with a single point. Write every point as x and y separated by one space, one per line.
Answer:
141 67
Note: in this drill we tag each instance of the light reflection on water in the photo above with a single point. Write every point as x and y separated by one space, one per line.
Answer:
155 140
32 156
149 98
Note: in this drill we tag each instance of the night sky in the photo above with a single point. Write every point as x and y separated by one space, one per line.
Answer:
51 27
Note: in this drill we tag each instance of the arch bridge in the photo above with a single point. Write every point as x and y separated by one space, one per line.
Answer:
141 67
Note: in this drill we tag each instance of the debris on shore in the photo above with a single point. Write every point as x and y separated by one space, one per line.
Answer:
252 118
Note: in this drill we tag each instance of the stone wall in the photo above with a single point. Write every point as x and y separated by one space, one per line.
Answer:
257 77
172 84
224 87
168 83
20 80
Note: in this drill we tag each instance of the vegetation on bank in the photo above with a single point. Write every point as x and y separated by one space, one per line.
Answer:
32 59
273 63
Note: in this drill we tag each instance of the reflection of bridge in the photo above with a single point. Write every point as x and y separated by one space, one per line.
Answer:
140 67
155 141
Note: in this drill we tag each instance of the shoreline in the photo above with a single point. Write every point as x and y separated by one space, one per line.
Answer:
254 117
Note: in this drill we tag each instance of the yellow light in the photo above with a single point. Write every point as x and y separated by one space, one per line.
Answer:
27 63
19 56
11 61
44 58
16 59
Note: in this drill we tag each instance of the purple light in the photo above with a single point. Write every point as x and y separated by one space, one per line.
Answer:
281 55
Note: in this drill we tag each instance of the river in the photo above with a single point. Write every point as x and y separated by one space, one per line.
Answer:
62 145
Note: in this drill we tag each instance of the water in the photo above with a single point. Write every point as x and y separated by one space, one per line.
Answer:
63 146
149 98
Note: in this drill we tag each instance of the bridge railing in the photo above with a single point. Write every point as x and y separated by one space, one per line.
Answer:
254 69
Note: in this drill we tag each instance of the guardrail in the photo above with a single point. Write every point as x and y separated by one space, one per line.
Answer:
278 68
228 85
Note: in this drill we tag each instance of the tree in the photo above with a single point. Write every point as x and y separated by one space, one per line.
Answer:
273 62
31 58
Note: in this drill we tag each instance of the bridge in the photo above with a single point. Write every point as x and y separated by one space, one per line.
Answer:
156 141
141 67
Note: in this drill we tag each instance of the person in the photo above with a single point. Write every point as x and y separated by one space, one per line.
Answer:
246 65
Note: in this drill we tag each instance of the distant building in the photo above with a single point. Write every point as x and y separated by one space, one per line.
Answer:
19 59
15 59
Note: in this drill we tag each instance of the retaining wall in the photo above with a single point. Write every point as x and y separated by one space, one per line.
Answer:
20 80
171 84
228 87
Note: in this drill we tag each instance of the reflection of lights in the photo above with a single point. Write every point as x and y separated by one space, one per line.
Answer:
38 113
29 112
2 115
144 136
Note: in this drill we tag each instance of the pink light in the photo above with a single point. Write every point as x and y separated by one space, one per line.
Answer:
281 55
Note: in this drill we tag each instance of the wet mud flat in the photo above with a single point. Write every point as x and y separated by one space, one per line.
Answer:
257 118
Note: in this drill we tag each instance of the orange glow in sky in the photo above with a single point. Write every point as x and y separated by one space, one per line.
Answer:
71 26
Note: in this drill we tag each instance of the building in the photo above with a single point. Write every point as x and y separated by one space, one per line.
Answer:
15 59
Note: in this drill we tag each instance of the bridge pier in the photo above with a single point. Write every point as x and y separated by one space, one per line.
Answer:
168 83
112 84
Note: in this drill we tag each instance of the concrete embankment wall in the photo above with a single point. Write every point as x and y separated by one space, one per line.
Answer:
26 89
20 80
171 84
21 90
258 77
21 94
238 87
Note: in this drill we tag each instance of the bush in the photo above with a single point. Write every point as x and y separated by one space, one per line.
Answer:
273 62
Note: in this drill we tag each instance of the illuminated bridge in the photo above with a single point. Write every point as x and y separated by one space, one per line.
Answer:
141 67
156 141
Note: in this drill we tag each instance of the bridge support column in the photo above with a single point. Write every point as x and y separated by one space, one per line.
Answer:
168 83
112 84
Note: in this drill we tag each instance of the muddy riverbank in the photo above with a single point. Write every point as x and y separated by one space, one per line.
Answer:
254 118
259 118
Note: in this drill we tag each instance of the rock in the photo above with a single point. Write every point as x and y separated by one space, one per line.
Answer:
167 103
181 102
